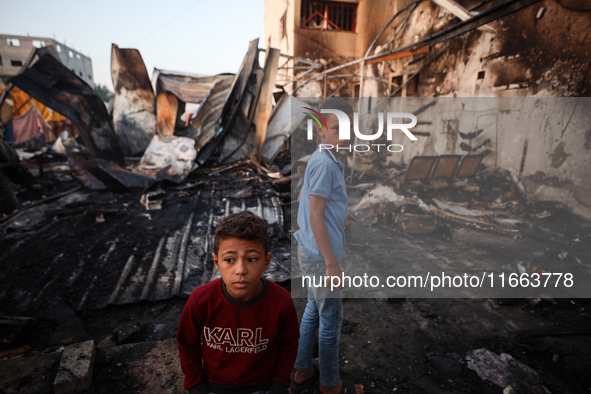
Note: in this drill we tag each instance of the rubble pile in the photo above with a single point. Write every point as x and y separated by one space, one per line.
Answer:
147 135
108 227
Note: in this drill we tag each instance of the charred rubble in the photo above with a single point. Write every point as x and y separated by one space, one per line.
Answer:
122 210
106 232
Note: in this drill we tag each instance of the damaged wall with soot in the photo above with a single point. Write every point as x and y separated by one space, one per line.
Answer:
532 138
539 51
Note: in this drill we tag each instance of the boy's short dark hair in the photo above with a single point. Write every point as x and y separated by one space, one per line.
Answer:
245 225
337 103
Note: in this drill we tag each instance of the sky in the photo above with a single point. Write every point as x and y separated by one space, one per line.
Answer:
196 36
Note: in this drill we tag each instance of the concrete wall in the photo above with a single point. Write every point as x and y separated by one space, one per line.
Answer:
277 14
74 60
539 51
16 53
273 35
529 56
327 44
80 64
372 16
328 47
550 135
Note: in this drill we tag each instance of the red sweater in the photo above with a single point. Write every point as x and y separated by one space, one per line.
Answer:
223 343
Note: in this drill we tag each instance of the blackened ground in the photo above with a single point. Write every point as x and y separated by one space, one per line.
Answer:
388 345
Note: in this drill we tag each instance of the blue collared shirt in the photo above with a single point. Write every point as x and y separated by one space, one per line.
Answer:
324 178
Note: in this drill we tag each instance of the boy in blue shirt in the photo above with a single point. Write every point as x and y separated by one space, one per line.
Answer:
322 217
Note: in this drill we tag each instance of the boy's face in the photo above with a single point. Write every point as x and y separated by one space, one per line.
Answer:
242 263
331 136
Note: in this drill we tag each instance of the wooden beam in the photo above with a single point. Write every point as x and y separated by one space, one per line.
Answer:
398 55
166 108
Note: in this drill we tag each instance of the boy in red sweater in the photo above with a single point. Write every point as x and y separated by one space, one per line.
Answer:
239 334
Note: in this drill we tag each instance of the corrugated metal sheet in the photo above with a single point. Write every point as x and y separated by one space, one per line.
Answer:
187 87
134 110
182 259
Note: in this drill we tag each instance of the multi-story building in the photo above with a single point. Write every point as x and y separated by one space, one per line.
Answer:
462 48
527 48
321 31
16 50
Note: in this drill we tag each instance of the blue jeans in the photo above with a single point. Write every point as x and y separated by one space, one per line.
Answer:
324 311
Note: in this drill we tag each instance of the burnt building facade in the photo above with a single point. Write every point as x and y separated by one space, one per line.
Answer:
532 48
447 49
16 50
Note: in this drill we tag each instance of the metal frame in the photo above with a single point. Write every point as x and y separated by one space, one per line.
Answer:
327 21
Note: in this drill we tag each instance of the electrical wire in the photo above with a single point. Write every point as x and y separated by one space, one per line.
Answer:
166 24
152 32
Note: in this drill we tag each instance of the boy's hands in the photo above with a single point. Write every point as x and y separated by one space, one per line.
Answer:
334 270
350 218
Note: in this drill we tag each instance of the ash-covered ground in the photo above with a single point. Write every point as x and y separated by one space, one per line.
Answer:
388 344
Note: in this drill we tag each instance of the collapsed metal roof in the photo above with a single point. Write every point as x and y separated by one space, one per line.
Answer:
234 109
94 249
